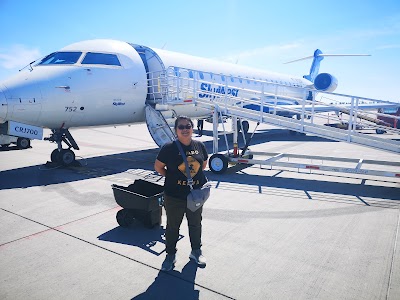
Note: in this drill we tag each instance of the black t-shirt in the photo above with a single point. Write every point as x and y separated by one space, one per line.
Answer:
175 184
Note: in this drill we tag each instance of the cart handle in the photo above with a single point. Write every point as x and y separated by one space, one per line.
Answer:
130 192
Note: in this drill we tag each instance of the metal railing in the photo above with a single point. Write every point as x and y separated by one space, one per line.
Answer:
286 105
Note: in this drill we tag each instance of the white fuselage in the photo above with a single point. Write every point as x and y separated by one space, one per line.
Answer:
79 93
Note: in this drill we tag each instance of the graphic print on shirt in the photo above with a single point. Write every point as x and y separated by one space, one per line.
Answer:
194 166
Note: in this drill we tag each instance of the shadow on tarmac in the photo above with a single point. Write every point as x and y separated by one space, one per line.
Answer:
151 240
122 162
42 175
10 148
173 285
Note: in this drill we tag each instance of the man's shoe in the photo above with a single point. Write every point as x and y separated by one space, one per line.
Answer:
169 263
198 257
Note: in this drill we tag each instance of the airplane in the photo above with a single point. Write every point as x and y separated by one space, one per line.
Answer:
109 82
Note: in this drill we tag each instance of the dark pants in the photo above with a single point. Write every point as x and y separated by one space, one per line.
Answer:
175 209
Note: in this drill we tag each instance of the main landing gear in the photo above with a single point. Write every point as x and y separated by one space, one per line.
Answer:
65 157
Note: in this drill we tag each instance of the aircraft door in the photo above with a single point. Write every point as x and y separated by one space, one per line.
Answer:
154 68
158 127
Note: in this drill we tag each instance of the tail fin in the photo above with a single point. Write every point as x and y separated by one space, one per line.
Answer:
315 65
318 56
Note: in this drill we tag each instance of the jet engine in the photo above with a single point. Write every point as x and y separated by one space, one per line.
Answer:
325 82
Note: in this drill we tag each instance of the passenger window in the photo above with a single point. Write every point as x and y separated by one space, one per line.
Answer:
101 59
232 79
201 75
176 71
222 77
191 74
61 58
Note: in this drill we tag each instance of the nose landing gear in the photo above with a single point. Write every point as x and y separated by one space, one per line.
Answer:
65 157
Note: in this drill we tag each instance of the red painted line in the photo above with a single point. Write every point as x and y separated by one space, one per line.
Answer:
57 228
397 175
188 100
312 167
243 160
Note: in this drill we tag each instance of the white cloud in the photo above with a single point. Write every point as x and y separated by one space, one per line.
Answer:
18 56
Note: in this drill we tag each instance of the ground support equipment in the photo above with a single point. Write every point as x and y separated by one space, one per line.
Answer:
141 200
317 163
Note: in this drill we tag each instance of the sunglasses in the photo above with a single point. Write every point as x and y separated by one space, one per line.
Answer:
187 126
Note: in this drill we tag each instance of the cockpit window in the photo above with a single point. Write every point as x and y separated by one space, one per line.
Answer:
101 59
61 58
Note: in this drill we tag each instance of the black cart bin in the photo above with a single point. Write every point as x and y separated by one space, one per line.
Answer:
141 200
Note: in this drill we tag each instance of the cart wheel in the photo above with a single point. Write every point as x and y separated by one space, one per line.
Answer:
124 218
23 143
218 163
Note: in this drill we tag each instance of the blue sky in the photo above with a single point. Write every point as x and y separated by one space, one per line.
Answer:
261 34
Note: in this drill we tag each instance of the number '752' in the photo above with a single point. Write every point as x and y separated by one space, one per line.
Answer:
70 108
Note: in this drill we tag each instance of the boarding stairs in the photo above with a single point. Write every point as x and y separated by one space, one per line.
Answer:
261 101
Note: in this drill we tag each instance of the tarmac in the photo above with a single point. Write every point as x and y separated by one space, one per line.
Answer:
268 233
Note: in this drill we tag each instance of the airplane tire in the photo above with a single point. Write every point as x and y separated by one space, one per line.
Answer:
124 218
54 157
23 143
380 131
67 157
218 163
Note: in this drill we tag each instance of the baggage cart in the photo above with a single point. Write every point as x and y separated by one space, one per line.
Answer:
141 200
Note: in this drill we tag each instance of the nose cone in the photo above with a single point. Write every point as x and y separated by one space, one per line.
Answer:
3 106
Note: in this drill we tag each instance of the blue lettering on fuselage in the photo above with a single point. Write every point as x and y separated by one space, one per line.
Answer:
25 130
218 90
